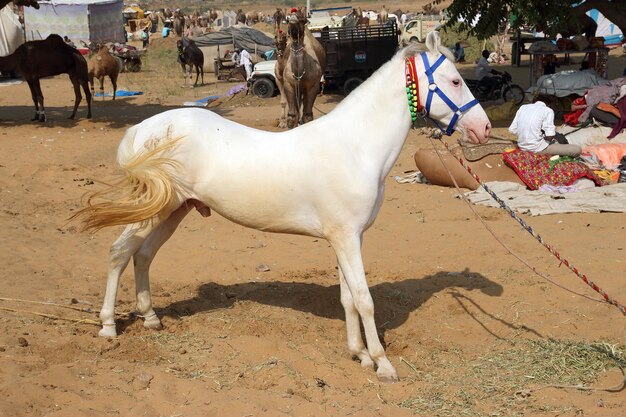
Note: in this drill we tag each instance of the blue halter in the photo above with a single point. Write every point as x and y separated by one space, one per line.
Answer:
432 89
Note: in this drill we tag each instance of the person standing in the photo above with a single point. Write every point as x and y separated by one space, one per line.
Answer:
246 60
145 37
534 126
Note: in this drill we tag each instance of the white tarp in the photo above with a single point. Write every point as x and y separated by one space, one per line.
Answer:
11 35
586 199
80 20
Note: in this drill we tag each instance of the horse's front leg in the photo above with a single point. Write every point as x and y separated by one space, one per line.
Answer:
353 325
143 259
184 75
347 246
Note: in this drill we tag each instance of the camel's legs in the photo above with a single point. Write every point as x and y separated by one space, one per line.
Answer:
39 93
143 258
114 82
101 79
309 99
78 98
33 93
353 325
88 96
347 246
282 121
122 249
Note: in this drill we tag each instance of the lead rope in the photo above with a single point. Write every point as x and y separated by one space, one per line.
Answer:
550 248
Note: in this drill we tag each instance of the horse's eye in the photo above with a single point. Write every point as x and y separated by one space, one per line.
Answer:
456 82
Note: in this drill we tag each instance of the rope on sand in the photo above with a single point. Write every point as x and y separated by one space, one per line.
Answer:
550 248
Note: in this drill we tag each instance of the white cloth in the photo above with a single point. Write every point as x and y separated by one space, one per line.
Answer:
529 120
483 69
403 18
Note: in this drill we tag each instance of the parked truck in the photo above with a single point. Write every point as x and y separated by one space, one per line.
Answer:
416 29
352 55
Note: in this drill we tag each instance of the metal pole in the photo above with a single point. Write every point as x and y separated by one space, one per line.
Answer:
308 8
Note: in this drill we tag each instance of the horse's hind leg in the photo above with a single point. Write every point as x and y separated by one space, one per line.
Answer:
197 75
143 258
122 249
347 246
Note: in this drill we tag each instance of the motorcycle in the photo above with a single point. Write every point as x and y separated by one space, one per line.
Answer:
504 89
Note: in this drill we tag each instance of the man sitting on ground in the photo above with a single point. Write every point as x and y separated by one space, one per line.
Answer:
534 126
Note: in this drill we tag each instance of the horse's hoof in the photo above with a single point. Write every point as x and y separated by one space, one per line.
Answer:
366 362
387 377
108 331
152 323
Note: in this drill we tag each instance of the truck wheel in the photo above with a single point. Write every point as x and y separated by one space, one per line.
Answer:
351 84
414 40
263 88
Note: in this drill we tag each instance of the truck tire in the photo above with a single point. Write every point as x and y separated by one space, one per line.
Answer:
414 39
351 84
263 88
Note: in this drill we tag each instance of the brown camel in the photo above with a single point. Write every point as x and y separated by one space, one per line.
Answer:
103 64
383 16
299 71
279 15
25 3
45 58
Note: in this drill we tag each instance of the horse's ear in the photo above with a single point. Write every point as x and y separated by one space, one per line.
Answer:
433 42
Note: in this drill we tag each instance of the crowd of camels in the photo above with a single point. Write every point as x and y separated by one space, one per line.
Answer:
300 65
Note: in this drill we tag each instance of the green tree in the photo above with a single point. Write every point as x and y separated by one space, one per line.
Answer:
551 16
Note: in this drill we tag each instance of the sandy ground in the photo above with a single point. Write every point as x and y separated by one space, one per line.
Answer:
451 302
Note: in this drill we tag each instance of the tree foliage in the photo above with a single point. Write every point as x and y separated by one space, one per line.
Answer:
551 16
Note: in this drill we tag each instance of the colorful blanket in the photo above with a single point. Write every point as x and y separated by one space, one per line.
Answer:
535 169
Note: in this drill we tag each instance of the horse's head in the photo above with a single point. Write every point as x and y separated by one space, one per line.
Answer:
296 25
443 94
180 46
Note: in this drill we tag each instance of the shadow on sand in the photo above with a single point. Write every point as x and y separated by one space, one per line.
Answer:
394 301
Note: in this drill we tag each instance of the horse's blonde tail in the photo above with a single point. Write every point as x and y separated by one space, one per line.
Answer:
145 191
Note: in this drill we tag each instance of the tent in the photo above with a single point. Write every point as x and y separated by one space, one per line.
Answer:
11 34
242 37
80 20
607 29
252 40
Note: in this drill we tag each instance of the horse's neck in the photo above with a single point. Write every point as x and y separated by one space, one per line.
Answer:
375 117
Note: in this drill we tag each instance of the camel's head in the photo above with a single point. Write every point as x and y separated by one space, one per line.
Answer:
296 25
281 42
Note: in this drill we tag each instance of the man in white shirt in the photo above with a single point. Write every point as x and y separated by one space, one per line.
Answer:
534 126
246 60
484 73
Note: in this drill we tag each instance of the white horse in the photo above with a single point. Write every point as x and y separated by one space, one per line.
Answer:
323 179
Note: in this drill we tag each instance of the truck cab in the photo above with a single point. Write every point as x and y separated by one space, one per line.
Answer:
416 29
